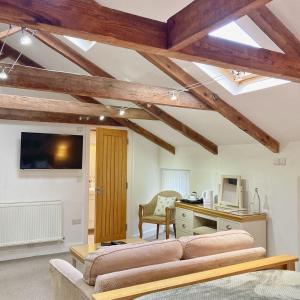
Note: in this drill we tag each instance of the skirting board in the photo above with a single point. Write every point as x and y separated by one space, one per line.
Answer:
18 252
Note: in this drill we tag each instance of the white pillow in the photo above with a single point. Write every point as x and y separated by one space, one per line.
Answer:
162 204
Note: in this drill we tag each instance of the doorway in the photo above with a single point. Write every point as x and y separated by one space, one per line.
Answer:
108 185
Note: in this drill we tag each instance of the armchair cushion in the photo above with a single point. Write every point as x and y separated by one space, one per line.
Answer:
154 219
162 204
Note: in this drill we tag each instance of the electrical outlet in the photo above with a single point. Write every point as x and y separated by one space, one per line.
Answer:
76 221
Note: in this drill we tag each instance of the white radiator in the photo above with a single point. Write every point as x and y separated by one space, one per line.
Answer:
30 222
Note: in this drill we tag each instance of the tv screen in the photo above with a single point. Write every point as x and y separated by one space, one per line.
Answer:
50 151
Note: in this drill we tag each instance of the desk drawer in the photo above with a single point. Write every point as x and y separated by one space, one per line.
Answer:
180 233
185 225
184 214
224 225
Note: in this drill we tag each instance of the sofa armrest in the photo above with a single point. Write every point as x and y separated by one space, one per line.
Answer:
68 282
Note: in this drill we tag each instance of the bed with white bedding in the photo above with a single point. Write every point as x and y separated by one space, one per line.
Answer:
262 285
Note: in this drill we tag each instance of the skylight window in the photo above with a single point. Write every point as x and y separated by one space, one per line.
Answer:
233 32
82 44
236 81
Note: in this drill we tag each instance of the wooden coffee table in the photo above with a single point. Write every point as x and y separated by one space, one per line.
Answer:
80 252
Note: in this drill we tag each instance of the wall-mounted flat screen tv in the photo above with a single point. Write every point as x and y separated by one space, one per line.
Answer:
50 151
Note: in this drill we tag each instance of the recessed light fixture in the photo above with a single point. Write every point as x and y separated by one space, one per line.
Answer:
25 39
122 112
3 75
101 118
173 96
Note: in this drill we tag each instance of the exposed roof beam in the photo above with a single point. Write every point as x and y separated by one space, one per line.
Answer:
8 32
214 101
200 17
38 116
231 55
124 122
276 31
93 69
87 20
93 86
180 127
62 106
141 34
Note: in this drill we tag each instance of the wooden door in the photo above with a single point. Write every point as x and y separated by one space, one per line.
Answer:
111 184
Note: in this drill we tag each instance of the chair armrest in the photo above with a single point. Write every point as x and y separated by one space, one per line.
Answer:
170 213
146 209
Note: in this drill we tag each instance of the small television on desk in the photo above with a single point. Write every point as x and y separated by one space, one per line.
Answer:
50 151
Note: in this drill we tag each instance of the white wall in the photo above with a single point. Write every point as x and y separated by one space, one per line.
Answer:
144 180
279 186
70 186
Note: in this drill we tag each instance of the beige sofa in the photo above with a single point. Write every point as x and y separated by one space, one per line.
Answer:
125 265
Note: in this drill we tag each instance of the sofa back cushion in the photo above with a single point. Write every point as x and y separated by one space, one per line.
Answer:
151 273
220 242
123 257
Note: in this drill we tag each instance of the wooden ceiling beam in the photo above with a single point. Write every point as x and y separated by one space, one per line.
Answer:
204 94
123 122
129 31
8 32
231 55
93 21
93 69
276 31
71 107
39 116
181 128
200 17
93 86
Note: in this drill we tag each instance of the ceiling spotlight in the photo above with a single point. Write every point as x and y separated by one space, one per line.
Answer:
25 39
3 75
101 118
80 118
174 96
122 112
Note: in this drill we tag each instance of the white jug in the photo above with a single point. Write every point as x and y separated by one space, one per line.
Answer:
208 199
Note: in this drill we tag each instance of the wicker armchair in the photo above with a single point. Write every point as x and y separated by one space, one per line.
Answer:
146 214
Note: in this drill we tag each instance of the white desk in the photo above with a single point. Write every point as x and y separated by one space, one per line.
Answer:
189 217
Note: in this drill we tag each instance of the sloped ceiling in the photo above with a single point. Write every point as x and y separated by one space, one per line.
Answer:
275 110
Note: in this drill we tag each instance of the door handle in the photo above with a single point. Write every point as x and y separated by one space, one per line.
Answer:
98 190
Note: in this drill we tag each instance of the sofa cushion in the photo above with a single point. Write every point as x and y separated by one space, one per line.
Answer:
151 273
220 242
123 257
